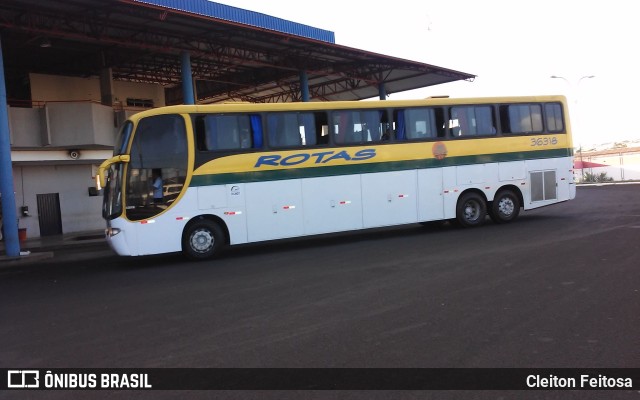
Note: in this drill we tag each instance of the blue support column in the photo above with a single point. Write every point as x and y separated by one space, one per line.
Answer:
187 79
9 214
381 91
304 86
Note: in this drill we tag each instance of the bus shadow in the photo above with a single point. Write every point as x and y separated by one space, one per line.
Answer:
335 239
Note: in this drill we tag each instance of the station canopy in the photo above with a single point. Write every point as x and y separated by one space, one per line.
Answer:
235 54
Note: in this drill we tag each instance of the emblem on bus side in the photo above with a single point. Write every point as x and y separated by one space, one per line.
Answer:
439 150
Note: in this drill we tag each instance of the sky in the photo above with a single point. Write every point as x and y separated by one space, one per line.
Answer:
513 47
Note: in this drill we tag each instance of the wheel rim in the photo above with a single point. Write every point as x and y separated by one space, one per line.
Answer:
506 206
201 240
471 210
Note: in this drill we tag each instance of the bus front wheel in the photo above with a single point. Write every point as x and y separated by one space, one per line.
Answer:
471 210
505 207
202 239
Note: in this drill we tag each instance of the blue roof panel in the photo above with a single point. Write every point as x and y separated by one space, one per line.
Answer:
252 18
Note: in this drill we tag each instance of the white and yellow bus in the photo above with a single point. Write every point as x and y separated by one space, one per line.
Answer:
242 173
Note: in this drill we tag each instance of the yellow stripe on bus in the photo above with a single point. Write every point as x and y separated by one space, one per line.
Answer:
379 153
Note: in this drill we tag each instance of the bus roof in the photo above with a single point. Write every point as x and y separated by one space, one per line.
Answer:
329 105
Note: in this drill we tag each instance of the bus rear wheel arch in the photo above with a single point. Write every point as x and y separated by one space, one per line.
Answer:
203 239
471 209
505 206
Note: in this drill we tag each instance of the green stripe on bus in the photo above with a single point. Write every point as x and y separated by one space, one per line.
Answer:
365 168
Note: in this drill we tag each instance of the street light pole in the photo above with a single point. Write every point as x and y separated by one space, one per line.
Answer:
574 94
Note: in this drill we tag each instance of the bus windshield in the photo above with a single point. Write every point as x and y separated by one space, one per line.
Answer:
158 160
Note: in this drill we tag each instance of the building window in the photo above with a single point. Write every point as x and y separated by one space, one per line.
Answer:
143 103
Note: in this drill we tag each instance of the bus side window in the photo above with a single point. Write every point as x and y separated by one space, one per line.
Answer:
295 129
363 126
468 121
225 132
553 112
521 118
422 123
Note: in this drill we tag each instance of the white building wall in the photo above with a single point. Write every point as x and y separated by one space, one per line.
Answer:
631 166
623 166
79 124
79 211
25 126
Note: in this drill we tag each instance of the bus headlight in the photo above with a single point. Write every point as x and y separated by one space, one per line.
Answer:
111 232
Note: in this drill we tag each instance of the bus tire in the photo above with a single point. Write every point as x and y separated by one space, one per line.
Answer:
471 210
505 207
202 239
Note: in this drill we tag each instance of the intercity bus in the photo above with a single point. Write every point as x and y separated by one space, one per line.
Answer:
243 173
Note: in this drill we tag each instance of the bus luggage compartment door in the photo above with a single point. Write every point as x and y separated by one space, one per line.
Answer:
389 198
274 210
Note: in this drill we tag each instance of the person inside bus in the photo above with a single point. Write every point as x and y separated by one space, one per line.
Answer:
156 179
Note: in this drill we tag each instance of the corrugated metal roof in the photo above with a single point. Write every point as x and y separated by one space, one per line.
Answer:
251 18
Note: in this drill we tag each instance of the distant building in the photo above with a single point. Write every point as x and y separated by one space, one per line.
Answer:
621 164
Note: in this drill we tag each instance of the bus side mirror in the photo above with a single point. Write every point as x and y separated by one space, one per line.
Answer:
102 179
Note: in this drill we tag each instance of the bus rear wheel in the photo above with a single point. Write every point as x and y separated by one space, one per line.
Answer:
505 207
202 239
471 210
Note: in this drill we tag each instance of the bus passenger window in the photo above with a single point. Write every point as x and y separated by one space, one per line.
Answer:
471 121
360 126
419 123
553 112
521 118
225 132
295 129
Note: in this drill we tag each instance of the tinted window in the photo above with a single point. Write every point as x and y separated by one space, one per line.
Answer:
419 123
553 111
360 126
471 121
297 129
224 132
521 118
